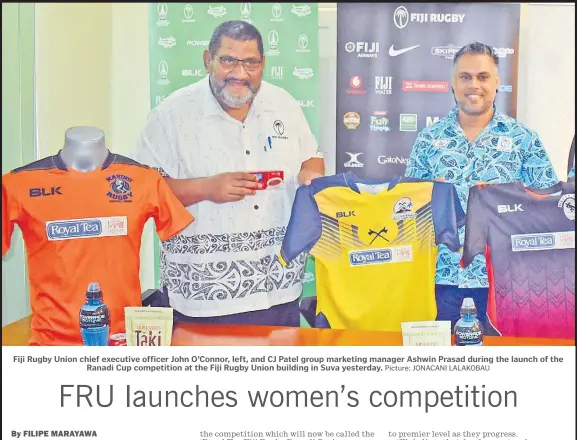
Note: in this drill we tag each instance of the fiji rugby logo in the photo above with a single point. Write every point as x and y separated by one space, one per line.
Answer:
120 188
403 209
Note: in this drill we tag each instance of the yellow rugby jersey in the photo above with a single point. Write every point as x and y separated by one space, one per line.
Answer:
375 247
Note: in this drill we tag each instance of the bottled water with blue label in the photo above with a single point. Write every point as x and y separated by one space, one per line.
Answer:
94 318
468 329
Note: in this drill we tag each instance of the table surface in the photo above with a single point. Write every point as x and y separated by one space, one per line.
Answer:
186 334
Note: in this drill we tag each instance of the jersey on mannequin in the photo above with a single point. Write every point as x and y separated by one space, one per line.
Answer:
82 213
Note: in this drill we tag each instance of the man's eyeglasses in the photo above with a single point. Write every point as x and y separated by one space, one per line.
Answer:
250 64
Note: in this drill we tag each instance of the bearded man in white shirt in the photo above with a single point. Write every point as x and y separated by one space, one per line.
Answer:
206 139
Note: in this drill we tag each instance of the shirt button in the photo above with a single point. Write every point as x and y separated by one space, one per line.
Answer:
255 206
247 152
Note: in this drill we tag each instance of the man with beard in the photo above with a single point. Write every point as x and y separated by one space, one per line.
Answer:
206 139
475 143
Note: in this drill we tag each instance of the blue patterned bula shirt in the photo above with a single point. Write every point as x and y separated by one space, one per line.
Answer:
505 151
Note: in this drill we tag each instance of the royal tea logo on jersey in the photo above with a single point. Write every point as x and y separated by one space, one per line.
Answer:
120 188
567 203
379 122
86 228
397 254
403 209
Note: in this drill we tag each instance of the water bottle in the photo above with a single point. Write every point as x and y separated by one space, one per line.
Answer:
468 329
94 318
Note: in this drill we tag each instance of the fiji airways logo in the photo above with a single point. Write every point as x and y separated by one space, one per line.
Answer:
363 49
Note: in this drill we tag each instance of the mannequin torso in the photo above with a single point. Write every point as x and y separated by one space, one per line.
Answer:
84 148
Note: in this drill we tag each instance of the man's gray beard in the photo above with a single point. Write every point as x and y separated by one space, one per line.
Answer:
221 93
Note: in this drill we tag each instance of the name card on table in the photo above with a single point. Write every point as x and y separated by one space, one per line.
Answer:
426 333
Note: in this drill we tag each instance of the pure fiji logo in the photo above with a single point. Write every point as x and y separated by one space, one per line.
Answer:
62 230
376 256
535 242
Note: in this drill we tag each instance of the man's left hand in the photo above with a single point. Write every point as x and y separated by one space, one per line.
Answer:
305 177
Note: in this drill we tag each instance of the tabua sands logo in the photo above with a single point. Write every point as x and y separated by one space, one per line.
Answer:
120 189
163 74
162 10
567 202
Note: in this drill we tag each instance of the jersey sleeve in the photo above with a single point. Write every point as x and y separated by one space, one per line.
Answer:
10 215
170 215
156 146
418 164
537 170
448 215
476 229
304 228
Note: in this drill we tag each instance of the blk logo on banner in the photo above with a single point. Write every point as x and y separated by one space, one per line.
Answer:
394 72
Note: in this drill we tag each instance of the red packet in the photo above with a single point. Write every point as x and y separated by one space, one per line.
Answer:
269 178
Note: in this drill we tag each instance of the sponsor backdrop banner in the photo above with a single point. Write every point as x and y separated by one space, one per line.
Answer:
179 33
394 74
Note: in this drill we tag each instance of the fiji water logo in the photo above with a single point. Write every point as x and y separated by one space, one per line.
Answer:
375 256
63 230
120 188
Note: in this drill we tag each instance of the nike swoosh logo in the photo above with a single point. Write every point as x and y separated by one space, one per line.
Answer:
394 53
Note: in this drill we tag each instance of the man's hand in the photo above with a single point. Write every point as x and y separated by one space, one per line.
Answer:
230 187
305 177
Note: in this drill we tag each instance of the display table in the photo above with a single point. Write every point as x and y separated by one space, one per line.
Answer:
186 334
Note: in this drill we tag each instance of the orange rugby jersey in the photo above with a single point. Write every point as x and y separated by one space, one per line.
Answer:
80 228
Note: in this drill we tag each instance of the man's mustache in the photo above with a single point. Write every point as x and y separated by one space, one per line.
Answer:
228 80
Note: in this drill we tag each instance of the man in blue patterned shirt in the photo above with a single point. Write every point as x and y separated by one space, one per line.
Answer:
474 144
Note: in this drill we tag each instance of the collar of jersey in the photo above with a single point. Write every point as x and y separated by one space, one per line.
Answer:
59 162
352 180
559 189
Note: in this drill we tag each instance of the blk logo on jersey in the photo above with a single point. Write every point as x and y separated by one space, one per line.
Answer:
120 188
503 209
45 192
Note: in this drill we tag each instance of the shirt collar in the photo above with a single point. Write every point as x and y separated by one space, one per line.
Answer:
498 117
